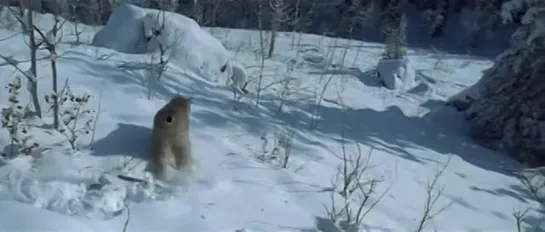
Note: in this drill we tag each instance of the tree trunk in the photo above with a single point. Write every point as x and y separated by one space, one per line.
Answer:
33 83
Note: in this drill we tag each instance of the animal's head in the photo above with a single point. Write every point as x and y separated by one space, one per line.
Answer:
225 70
174 115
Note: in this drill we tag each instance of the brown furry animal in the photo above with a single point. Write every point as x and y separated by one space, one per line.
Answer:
170 144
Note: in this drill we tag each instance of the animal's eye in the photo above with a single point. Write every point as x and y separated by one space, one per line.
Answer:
223 68
169 119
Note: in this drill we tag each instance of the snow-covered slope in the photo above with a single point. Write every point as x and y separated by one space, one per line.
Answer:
239 185
178 39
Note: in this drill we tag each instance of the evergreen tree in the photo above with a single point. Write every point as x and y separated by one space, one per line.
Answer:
510 109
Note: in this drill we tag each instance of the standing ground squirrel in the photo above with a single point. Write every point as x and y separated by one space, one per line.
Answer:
170 144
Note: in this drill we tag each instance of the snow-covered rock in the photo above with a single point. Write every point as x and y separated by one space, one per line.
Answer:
397 74
186 45
124 31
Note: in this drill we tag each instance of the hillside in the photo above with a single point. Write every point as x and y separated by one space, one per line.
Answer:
320 103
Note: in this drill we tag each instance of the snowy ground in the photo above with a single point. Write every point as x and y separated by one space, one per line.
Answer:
237 186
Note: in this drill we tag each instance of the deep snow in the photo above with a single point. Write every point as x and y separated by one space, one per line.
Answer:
411 134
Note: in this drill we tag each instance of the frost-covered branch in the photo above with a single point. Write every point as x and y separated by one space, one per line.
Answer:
72 111
433 194
14 120
356 191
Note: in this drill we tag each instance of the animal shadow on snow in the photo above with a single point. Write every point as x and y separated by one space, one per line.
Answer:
127 139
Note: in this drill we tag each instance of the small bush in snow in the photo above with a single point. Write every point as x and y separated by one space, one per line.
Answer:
356 192
14 120
433 193
520 216
534 181
279 151
72 112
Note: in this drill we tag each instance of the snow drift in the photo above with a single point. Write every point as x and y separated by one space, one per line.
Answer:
124 31
136 30
40 219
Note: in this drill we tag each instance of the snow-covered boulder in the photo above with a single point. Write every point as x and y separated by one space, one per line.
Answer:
124 31
397 74
132 29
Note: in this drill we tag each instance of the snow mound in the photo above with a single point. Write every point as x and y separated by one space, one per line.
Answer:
136 30
124 31
396 74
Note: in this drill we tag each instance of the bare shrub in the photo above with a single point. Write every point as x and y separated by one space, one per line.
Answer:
354 184
277 150
433 193
73 110
519 217
534 181
319 88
